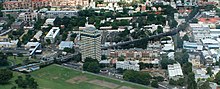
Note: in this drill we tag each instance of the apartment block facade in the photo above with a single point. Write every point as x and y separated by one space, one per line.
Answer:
146 56
90 43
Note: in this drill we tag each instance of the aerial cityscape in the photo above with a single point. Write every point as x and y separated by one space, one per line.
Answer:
110 44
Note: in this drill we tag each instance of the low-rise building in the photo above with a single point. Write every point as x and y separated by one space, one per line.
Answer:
17 25
146 56
34 47
38 35
210 43
194 58
192 45
200 74
199 31
10 44
49 21
175 71
129 65
168 47
65 44
52 34
4 38
61 14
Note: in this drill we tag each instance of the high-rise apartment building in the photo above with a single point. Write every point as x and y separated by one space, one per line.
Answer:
90 43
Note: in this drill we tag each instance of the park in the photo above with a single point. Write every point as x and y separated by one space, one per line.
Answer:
59 77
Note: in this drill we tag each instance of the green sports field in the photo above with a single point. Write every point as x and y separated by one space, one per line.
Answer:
57 77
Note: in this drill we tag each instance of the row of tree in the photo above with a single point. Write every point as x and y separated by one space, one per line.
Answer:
142 78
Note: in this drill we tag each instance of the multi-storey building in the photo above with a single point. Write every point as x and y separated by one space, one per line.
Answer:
52 34
199 31
146 56
27 16
129 65
90 43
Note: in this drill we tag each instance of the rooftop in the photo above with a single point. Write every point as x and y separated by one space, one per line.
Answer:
209 41
174 70
66 43
53 32
50 20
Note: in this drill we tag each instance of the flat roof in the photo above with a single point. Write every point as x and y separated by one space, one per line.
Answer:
53 32
209 41
32 43
50 20
66 43
174 70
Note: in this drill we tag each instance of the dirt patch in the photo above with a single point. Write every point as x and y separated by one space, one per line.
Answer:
104 84
55 77
77 79
125 87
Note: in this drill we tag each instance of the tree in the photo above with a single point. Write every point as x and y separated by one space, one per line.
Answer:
217 78
159 78
20 55
120 70
159 29
165 61
73 36
191 83
5 76
194 20
69 50
3 59
154 84
27 82
185 37
179 42
103 57
209 71
121 58
205 85
187 68
91 65
48 41
180 82
77 58
137 77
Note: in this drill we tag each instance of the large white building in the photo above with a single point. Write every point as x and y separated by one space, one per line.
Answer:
90 43
129 65
175 71
52 34
65 44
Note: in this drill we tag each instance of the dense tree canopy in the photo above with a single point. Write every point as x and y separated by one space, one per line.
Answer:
154 84
137 77
91 65
27 82
3 60
165 61
5 76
